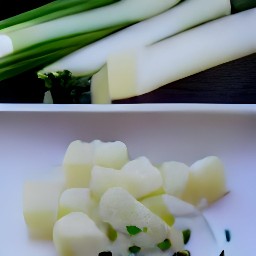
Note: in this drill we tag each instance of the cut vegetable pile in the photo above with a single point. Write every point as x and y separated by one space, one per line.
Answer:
124 48
103 201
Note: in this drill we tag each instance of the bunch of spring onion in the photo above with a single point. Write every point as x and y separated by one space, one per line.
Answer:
193 36
134 72
43 35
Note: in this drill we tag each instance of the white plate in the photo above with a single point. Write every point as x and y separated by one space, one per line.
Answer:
34 138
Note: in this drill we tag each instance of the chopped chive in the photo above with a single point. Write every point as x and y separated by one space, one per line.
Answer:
228 236
134 249
105 253
165 245
111 233
182 253
133 230
186 235
222 253
145 229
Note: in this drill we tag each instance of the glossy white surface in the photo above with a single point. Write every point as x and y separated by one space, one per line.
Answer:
6 45
34 138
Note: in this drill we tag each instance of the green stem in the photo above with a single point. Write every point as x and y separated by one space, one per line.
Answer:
50 11
242 5
30 58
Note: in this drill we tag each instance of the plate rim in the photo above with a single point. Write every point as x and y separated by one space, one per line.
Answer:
144 107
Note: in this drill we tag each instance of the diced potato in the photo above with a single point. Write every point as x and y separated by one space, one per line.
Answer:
121 245
40 206
176 238
103 178
206 181
119 208
80 200
168 207
179 207
111 154
175 177
138 176
77 162
76 200
81 156
76 234
141 177
157 205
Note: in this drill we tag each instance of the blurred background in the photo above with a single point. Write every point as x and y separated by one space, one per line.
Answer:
233 82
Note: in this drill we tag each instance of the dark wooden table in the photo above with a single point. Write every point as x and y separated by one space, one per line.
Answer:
233 82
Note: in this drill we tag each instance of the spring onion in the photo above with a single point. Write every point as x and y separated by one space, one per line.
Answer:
137 71
122 12
183 16
16 63
50 11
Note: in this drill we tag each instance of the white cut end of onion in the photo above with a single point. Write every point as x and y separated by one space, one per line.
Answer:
6 46
48 98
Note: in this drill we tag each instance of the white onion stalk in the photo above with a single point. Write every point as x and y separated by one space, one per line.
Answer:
122 12
139 71
183 16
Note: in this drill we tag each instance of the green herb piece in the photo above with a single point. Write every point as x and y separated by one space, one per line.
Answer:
133 230
186 235
145 229
134 249
111 233
165 245
228 235
182 253
222 253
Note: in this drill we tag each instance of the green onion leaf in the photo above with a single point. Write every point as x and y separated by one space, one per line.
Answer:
165 245
133 230
186 235
134 249
53 10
